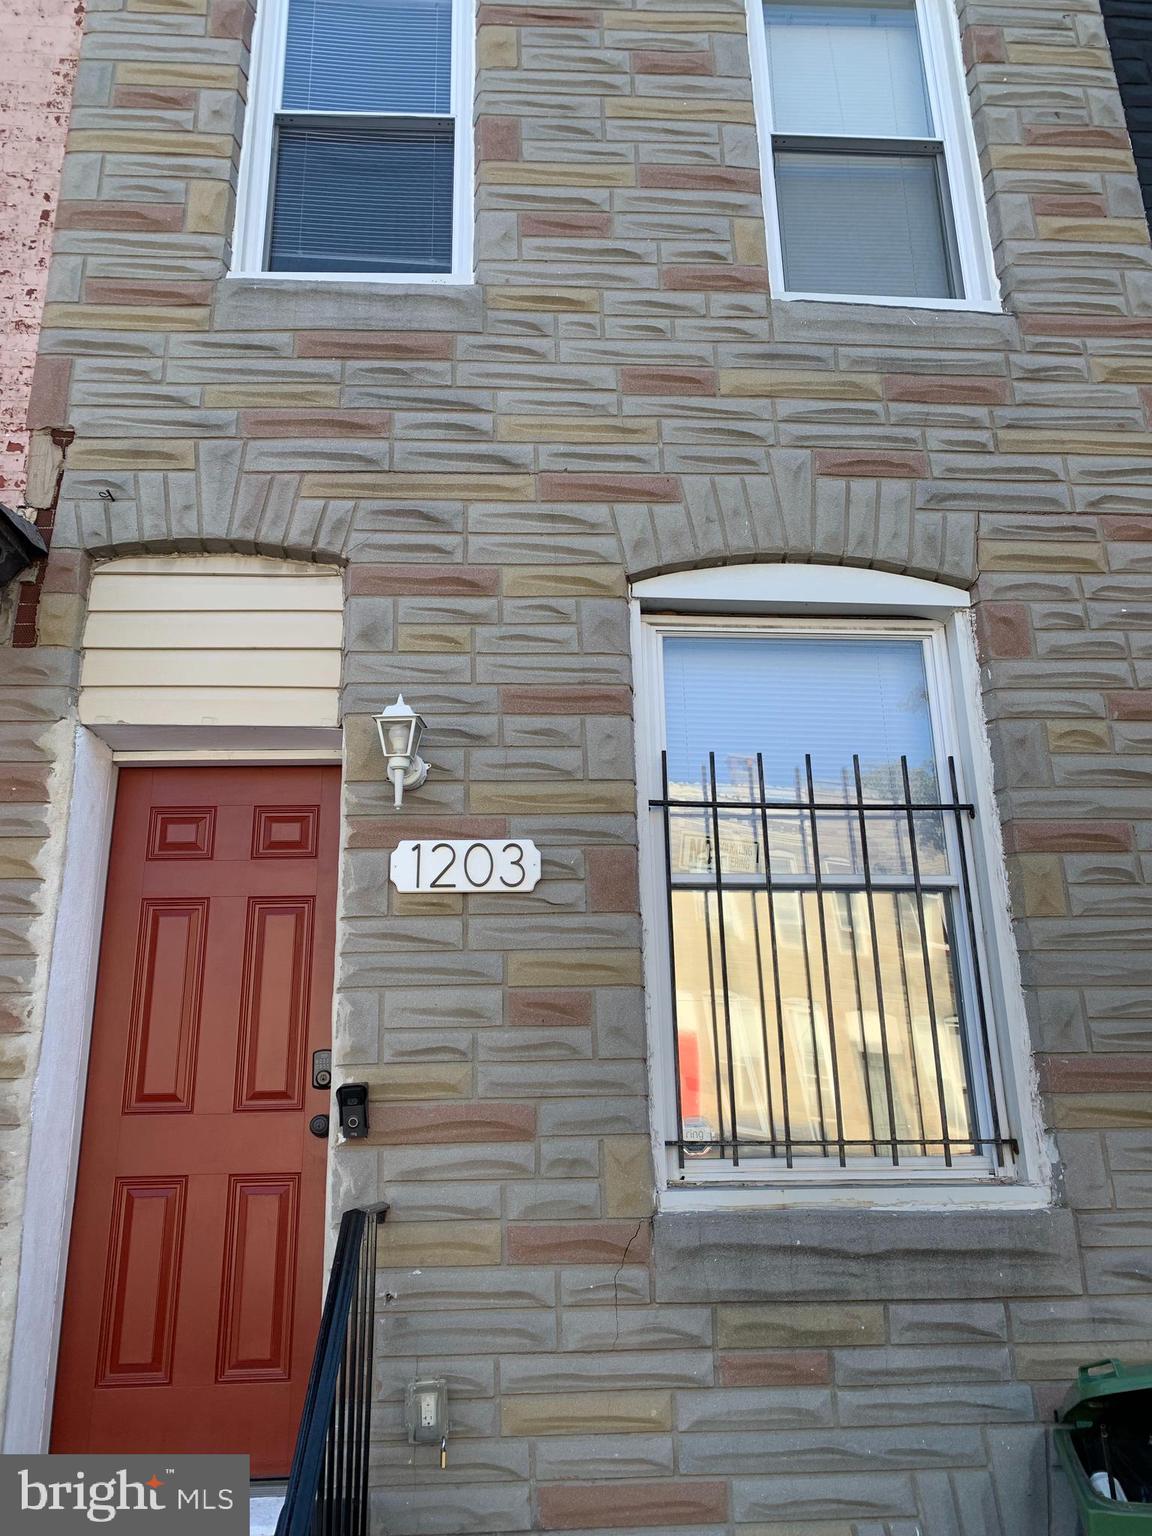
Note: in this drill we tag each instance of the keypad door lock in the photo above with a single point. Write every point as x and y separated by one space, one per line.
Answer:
321 1069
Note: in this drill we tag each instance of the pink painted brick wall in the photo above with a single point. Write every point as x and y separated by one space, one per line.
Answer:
37 69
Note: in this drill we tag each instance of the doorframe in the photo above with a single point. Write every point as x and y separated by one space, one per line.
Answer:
60 1080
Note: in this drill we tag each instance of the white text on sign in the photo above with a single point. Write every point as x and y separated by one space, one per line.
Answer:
455 864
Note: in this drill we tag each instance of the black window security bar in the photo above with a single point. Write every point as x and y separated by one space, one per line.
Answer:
827 997
327 1492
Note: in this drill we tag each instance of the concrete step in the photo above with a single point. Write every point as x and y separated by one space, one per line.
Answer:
265 1503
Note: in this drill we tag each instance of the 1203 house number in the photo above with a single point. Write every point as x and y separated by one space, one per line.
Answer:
454 864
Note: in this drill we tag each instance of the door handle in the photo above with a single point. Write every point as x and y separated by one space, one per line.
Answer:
318 1125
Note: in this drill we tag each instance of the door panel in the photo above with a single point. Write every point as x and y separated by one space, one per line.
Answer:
194 1270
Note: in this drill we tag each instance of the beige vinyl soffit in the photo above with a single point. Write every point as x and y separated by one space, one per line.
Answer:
237 643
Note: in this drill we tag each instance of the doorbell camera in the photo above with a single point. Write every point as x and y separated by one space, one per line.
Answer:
352 1101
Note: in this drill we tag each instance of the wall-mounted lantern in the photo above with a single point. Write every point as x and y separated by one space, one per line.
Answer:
21 545
400 731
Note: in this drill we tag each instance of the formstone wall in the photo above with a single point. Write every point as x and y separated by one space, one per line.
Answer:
620 394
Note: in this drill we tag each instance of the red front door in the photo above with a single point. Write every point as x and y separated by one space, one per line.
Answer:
195 1265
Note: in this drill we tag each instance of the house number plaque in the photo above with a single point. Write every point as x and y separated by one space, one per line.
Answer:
456 864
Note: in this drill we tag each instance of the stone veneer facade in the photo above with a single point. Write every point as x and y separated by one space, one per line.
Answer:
619 395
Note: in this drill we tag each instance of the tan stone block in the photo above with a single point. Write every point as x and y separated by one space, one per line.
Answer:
128 317
1060 1362
438 1244
778 383
13 1057
1041 555
18 860
498 48
426 903
177 7
806 1528
60 618
425 1080
132 453
222 396
1099 1111
1121 370
626 1168
1036 440
205 77
576 429
564 581
1079 736
545 173
449 639
100 141
573 968
589 1413
1094 231
1057 157
389 486
798 1324
206 208
557 797
748 242
696 109
1042 882
568 301
1072 58
674 21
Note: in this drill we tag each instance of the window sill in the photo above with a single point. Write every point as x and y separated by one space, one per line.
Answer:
925 1193
328 301
866 320
831 1255
934 306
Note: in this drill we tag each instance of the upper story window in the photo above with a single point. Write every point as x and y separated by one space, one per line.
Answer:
357 143
827 994
871 186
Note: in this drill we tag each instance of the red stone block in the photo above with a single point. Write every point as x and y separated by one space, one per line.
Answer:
953 389
593 1506
613 883
117 290
423 581
1049 205
399 346
1126 530
560 486
561 226
1095 1072
533 16
153 98
860 464
48 401
1068 837
668 381
537 1008
579 1242
309 421
1005 630
1038 324
775 1368
723 277
498 138
518 700
699 178
231 18
671 61
983 45
66 570
400 1125
1130 704
143 218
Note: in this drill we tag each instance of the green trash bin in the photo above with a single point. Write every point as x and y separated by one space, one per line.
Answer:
1105 1426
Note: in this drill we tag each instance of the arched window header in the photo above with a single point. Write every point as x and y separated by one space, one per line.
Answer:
799 589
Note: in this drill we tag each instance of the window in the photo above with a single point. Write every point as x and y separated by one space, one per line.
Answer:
357 153
870 180
824 985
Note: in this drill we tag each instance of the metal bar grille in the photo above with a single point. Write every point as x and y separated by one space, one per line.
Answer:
827 1001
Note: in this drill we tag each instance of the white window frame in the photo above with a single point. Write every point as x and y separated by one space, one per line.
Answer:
254 192
948 97
813 599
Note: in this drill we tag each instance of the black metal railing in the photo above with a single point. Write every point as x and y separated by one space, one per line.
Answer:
826 986
327 1491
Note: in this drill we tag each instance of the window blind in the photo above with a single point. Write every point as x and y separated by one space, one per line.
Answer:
389 56
364 196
